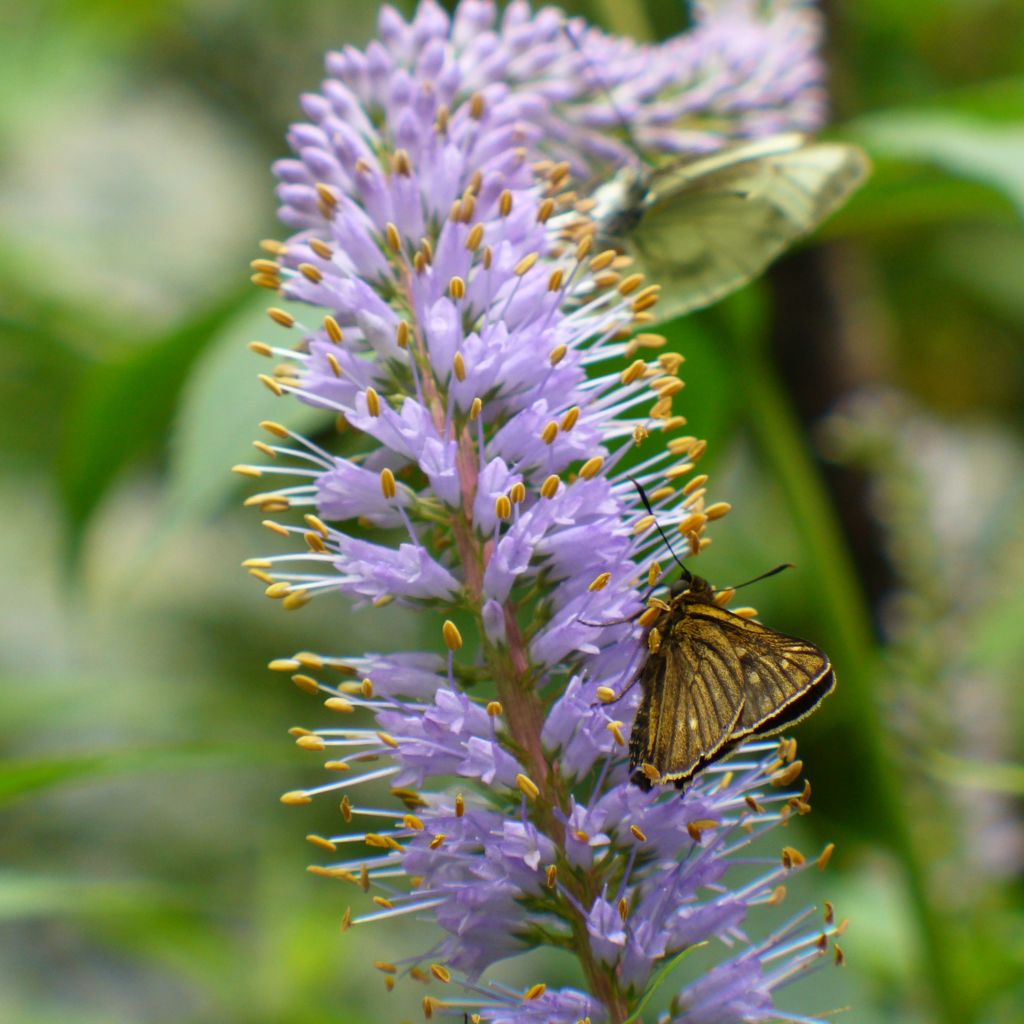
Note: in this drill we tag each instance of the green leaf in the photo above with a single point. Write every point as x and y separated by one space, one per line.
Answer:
962 145
660 978
221 405
122 411
23 895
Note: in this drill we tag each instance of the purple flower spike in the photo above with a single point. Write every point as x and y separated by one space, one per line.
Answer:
491 378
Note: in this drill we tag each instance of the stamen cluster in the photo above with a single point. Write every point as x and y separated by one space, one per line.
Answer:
493 383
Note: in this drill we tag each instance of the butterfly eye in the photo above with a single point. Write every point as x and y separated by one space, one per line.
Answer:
679 588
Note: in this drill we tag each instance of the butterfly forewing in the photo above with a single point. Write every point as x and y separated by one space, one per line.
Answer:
707 225
716 680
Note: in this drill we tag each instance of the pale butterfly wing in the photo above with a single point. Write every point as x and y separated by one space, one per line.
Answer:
702 227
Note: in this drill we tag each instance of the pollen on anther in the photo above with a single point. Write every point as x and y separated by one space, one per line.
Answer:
505 203
606 694
549 433
825 856
295 798
517 492
503 507
457 288
558 354
535 991
600 582
261 348
372 402
452 636
281 316
549 488
460 805
459 367
527 786
792 857
571 418
526 264
394 239
475 409
615 728
592 467
495 709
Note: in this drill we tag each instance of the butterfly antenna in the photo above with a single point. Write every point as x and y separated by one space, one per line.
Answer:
601 85
687 575
764 575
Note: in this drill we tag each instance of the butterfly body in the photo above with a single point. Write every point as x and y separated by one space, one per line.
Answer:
702 226
712 679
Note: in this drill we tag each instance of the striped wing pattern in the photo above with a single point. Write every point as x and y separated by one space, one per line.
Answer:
716 680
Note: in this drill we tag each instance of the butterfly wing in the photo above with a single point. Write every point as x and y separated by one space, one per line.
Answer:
691 705
712 224
782 678
717 680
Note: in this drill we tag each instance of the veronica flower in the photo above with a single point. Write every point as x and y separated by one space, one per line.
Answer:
498 378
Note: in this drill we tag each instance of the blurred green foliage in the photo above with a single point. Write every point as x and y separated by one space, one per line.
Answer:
147 871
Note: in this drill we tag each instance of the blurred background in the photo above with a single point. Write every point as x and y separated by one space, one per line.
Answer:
865 412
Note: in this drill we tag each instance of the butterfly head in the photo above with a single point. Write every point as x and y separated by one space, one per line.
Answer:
692 586
619 204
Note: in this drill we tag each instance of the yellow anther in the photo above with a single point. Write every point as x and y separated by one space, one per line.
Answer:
558 354
549 433
401 163
332 362
503 507
324 844
631 283
792 857
535 992
459 367
505 203
571 418
339 704
296 797
549 488
394 239
311 272
667 387
457 288
517 492
648 617
271 385
387 483
296 599
475 409
372 402
475 237
556 279
388 740
552 875
261 348
788 775
366 688
592 467
438 841
326 194
402 334
281 316
528 786
283 665
311 743
544 211
638 833
306 683
615 728
606 694
681 445
646 299
693 523
441 972
274 247
723 597
495 708
526 264
271 427
278 590
634 371
452 636
460 805
262 446
825 856
383 965
321 248
717 510
601 581
603 260
253 471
